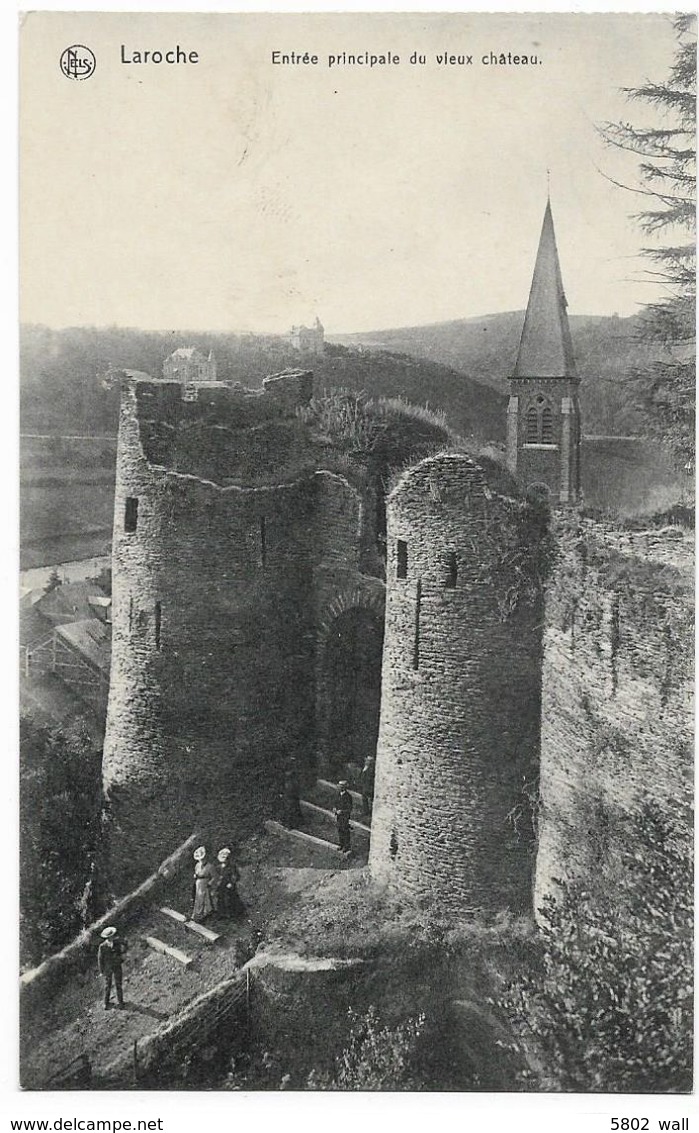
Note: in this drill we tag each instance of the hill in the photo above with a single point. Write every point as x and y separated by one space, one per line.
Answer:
485 349
61 391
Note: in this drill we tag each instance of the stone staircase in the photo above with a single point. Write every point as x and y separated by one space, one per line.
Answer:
320 828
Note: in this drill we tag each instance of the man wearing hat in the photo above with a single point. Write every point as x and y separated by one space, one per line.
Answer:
343 810
109 958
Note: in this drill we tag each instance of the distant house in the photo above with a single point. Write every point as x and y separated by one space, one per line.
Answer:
308 340
188 364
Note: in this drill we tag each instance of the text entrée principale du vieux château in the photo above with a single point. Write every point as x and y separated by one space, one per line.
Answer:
389 59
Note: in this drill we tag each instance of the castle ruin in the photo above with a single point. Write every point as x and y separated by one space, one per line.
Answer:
243 609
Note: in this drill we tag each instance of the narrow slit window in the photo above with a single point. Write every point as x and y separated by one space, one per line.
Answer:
393 845
263 541
158 623
547 426
130 614
532 434
131 514
416 642
401 559
452 571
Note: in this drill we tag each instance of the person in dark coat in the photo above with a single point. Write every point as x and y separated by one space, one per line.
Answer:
229 902
367 780
343 812
109 960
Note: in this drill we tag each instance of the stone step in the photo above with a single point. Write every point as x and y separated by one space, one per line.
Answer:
326 819
298 835
201 930
327 789
168 950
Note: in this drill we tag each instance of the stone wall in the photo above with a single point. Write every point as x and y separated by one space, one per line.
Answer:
617 711
460 693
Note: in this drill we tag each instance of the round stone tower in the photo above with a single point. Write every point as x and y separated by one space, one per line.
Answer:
461 677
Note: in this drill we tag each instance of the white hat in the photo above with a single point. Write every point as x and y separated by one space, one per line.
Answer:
223 854
199 854
107 932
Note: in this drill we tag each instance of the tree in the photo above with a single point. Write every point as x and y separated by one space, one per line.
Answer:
59 836
53 582
665 387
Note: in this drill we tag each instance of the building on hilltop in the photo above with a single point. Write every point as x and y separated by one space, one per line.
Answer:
543 414
187 364
308 340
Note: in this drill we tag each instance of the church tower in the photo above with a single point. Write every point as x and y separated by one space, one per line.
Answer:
543 414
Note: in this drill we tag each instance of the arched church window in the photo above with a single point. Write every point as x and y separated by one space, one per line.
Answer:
546 426
532 430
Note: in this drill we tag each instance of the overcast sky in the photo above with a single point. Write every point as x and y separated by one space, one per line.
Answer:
238 195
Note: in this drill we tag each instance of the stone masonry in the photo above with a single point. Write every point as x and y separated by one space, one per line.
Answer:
220 592
460 693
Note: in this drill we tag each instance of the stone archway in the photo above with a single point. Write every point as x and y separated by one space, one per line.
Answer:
348 678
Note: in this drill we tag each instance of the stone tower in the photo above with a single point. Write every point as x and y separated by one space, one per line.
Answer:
543 415
460 691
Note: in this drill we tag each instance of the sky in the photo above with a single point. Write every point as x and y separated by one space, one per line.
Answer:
240 195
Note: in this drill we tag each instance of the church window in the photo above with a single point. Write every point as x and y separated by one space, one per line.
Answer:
538 428
131 514
401 559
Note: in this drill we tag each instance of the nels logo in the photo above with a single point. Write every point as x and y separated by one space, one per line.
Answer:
78 62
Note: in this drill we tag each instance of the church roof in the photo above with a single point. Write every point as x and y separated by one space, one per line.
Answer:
545 348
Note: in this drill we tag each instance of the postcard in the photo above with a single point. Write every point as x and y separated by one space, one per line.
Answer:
357 569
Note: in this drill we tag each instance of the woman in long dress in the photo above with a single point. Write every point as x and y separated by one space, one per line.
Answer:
229 901
204 886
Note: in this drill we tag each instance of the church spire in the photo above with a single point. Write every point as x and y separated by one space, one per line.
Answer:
546 349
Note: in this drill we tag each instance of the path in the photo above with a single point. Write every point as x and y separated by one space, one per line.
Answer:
157 987
76 571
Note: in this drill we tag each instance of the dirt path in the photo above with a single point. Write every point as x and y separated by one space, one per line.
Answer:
156 986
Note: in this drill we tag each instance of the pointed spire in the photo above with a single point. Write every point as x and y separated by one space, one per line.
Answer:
546 349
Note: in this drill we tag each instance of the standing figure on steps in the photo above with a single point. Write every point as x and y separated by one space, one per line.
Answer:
204 886
109 959
343 811
229 903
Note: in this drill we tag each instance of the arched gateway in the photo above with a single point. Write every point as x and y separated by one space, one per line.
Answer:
348 675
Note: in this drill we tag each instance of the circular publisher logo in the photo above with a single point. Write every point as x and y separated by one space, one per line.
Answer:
78 62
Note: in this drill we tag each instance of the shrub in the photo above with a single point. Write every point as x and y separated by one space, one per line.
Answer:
608 1005
377 1056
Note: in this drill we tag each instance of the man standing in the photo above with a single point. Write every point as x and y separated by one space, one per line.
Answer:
109 959
343 810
